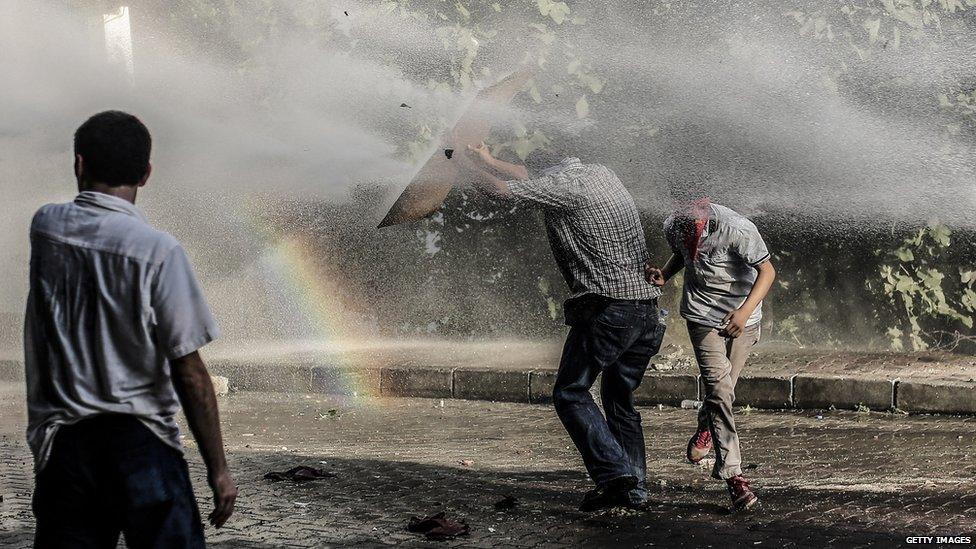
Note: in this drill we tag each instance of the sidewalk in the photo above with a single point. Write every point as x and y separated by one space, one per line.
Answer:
523 371
832 479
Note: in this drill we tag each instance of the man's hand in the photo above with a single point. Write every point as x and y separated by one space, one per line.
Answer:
654 275
478 157
480 178
734 323
481 152
225 494
196 393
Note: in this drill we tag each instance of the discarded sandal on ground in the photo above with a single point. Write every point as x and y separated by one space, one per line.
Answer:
301 473
438 527
506 503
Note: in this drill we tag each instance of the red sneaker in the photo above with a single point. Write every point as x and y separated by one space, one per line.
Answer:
742 495
699 446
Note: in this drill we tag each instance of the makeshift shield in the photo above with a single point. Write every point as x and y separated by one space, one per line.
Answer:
430 186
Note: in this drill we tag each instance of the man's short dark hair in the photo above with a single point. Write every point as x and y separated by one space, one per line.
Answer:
114 146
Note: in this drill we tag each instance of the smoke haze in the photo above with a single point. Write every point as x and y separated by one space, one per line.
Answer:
739 100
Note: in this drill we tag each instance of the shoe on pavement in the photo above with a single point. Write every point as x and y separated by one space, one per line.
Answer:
612 494
742 495
699 446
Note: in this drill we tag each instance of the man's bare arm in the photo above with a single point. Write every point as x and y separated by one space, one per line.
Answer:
736 320
767 274
195 391
660 277
481 179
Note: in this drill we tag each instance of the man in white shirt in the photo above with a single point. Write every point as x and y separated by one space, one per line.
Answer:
113 325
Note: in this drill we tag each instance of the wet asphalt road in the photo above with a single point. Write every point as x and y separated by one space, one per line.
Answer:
842 479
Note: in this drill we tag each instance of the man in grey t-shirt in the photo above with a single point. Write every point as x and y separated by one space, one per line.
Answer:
113 323
727 275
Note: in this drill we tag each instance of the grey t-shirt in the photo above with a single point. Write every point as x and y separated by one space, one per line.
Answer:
718 280
111 301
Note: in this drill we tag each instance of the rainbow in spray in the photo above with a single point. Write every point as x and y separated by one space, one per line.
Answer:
304 288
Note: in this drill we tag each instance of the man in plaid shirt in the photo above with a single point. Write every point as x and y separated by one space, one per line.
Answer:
598 242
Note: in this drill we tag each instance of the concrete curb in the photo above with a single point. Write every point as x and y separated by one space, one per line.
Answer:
668 389
824 391
937 397
334 380
765 391
541 383
772 392
250 374
407 381
496 385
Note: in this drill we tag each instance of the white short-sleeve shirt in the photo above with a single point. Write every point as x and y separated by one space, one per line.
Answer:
111 301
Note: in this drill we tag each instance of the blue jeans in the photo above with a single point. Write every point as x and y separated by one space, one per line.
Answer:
618 340
110 475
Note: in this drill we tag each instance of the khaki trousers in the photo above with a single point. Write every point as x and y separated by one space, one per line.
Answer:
720 361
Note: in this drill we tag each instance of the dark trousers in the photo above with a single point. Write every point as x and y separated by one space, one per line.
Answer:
618 339
110 475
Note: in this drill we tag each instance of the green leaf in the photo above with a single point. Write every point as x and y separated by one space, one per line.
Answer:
950 6
592 82
896 339
553 307
940 233
905 285
519 129
544 285
534 92
968 300
462 10
873 27
558 12
582 107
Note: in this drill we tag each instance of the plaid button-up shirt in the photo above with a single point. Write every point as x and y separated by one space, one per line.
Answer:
594 229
